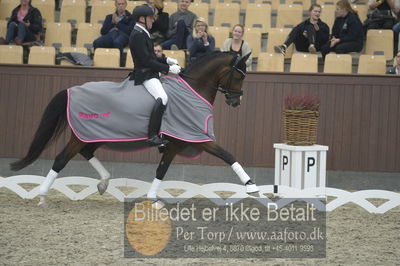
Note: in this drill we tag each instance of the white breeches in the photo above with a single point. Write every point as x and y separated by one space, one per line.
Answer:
154 87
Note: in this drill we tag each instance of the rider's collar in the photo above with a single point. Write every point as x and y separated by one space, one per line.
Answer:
143 28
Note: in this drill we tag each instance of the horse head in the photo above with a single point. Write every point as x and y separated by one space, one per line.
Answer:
231 83
218 71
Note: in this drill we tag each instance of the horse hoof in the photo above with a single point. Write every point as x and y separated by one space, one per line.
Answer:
42 202
102 186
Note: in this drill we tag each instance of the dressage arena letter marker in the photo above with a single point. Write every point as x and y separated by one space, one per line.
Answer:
300 166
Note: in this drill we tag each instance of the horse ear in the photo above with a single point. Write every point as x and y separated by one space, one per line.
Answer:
244 58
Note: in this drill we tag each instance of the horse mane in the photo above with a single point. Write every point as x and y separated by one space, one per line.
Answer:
205 59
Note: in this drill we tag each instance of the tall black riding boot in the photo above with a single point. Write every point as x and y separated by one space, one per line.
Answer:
155 124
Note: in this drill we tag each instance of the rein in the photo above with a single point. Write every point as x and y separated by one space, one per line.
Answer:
226 89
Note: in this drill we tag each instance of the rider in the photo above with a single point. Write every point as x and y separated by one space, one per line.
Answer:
147 68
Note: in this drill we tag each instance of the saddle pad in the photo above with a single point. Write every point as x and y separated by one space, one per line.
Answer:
119 112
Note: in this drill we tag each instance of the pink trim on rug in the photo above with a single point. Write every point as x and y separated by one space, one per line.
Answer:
206 123
191 158
186 140
109 149
194 92
96 140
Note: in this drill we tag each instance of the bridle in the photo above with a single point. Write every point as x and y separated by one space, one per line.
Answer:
226 89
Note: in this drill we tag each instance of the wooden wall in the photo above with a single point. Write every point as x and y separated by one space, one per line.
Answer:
359 116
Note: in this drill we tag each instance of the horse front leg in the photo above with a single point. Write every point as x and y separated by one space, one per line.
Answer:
168 156
216 150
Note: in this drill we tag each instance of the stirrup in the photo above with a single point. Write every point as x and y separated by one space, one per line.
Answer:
157 141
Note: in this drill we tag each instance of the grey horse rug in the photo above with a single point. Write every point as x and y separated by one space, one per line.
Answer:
118 114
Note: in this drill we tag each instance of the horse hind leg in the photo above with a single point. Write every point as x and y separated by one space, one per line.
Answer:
61 160
214 149
88 153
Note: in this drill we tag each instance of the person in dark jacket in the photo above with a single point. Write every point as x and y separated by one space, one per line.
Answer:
147 68
309 35
25 23
116 28
380 15
347 32
201 42
160 26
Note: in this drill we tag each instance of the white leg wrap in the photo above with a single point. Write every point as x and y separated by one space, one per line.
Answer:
244 177
152 194
104 174
45 186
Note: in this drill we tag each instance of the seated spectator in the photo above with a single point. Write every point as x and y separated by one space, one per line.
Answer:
159 51
180 27
200 42
396 65
309 35
24 25
160 26
237 45
116 28
380 15
347 35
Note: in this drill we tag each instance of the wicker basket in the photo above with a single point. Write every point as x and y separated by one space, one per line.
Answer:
300 127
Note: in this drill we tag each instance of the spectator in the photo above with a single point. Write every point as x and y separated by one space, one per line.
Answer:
200 42
180 26
309 35
237 45
396 65
160 26
24 25
116 28
159 51
347 35
380 16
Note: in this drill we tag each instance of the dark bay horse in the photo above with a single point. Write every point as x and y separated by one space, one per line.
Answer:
214 72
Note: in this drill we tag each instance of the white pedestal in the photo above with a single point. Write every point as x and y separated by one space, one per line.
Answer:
300 166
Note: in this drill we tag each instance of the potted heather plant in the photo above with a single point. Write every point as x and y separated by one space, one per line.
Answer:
300 120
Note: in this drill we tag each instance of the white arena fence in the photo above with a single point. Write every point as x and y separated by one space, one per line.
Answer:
211 191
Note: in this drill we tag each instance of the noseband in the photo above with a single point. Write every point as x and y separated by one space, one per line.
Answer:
229 93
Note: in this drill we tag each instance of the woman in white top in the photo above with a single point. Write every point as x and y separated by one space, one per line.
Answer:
236 44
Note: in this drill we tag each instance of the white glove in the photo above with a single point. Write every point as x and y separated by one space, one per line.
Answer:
172 61
174 69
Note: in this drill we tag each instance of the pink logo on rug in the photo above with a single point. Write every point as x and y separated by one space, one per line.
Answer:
93 116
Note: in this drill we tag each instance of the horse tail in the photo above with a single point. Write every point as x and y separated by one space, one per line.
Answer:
52 124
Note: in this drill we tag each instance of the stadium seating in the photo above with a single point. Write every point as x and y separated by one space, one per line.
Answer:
11 54
272 62
371 64
226 14
302 62
328 15
3 28
73 11
46 8
86 34
100 9
289 15
220 34
106 57
338 63
6 7
42 55
305 3
380 42
201 10
58 34
129 60
253 37
258 15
